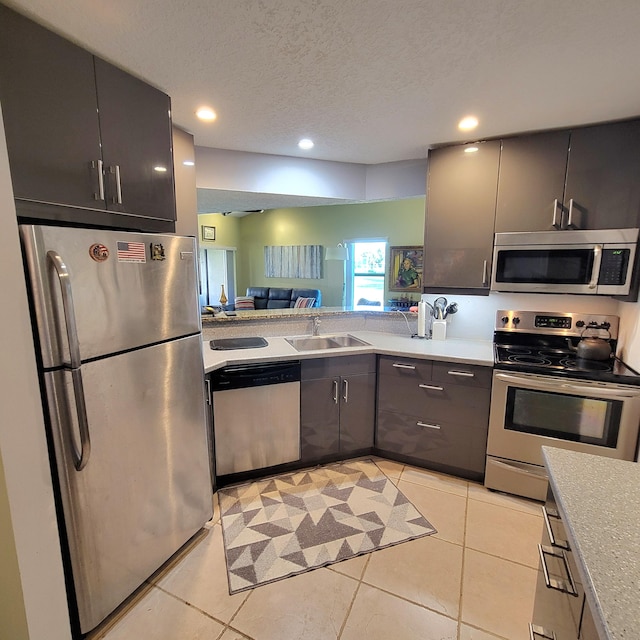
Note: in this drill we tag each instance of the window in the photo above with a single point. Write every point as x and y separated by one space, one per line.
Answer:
365 274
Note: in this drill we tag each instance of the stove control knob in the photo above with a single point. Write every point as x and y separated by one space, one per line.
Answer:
505 319
516 321
580 323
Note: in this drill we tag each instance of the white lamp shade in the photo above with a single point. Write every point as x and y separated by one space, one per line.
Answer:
336 253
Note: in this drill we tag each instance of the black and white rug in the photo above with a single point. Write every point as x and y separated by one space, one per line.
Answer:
288 524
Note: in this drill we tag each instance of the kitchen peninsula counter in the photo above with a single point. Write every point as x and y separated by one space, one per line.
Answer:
478 352
598 501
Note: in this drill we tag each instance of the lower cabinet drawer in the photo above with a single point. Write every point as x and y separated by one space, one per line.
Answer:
438 400
441 442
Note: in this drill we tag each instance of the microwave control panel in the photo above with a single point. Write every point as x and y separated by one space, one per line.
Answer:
613 268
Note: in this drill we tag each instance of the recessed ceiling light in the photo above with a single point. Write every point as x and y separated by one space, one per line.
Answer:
160 169
305 144
470 149
206 113
188 163
467 123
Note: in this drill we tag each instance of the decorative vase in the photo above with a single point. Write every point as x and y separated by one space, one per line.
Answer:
223 296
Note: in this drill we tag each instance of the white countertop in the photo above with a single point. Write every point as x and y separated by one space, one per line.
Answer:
599 501
478 352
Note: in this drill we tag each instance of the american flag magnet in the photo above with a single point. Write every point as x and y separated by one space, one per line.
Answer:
131 252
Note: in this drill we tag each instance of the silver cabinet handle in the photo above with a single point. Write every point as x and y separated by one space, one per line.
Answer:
115 170
554 223
597 259
565 586
570 216
431 387
427 425
335 391
97 165
403 366
345 388
562 544
536 631
484 273
74 355
462 374
207 383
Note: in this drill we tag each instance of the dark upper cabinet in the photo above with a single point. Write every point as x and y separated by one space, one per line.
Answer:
531 182
50 113
603 185
586 178
461 203
82 133
135 129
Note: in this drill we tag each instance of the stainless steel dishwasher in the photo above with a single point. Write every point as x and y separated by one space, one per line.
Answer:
256 416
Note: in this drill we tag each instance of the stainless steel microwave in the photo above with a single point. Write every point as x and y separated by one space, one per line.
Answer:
597 262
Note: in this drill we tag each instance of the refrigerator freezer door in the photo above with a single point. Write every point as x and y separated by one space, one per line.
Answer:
146 488
127 289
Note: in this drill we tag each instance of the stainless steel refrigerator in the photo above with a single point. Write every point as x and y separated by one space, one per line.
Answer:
119 334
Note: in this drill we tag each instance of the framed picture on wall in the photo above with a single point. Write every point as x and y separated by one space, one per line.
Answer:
208 233
405 268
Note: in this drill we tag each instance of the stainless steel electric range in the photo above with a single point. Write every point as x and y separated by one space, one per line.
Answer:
543 394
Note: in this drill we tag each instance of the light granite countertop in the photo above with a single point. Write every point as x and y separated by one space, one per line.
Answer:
599 501
479 352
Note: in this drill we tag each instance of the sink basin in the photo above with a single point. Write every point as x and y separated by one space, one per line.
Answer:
312 343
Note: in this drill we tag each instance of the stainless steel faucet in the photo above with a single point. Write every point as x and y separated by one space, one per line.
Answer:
316 326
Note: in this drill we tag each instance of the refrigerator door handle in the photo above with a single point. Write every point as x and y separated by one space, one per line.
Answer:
74 353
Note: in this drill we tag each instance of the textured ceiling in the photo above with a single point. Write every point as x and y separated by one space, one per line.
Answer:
369 80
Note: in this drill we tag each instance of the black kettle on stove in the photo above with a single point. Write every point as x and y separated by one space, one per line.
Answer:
592 348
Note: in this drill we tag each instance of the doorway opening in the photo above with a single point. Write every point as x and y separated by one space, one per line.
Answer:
217 270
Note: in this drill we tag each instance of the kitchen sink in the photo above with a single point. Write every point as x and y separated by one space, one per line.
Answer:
312 343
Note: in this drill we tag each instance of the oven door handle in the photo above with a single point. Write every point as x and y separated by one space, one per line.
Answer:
609 393
543 385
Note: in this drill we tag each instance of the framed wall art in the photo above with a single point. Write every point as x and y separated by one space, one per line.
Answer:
405 268
208 233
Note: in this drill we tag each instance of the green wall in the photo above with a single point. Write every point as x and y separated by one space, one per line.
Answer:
400 222
227 231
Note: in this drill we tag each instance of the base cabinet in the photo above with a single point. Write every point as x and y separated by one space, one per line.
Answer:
434 412
337 406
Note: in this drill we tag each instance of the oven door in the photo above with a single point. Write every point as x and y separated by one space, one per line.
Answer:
547 269
528 411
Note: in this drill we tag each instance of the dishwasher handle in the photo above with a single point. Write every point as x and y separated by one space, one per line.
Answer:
255 375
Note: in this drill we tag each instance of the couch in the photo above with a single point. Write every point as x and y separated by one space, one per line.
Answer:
280 298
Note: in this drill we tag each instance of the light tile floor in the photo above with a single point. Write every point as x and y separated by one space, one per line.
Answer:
473 580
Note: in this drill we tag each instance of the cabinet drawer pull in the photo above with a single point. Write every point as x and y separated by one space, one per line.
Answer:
565 586
403 366
335 391
462 374
562 544
431 387
536 631
345 388
427 425
484 274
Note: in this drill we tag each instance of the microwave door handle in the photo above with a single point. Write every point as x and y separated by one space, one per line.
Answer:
597 259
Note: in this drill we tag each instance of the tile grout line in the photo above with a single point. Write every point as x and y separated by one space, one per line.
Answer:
464 554
353 599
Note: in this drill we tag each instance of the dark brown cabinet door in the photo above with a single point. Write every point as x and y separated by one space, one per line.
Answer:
603 176
531 182
357 412
135 128
461 202
319 418
48 97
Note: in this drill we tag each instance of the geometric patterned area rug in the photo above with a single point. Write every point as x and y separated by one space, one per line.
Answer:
288 524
